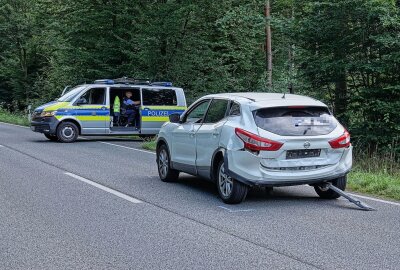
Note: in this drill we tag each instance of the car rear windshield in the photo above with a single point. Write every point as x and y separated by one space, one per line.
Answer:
296 121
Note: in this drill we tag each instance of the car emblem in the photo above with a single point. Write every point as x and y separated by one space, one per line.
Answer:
307 145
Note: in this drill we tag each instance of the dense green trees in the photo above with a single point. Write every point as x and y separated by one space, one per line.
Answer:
345 52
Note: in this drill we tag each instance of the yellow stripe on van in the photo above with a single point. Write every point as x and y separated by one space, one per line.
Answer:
155 118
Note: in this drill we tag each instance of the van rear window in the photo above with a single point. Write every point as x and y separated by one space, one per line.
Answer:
159 97
296 121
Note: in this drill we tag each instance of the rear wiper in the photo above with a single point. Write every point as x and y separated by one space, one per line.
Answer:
307 129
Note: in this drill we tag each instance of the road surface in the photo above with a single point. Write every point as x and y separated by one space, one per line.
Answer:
99 204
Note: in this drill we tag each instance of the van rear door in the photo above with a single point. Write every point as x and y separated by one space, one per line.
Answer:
157 105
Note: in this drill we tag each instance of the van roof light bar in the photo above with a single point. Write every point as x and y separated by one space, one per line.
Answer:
127 80
105 81
167 84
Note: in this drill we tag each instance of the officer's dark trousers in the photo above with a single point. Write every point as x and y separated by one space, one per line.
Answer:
131 114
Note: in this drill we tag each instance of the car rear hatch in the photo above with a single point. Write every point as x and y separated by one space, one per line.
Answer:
305 132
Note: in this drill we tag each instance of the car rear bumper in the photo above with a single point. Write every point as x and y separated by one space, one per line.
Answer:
46 125
247 168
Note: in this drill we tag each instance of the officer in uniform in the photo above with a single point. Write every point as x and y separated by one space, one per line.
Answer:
131 108
117 109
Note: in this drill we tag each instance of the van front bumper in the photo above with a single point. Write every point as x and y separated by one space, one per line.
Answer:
46 125
247 168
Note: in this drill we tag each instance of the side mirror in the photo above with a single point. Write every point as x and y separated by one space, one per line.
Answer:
81 101
175 118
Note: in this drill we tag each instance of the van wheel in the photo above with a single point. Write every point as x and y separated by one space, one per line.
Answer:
230 190
166 173
51 137
67 132
326 193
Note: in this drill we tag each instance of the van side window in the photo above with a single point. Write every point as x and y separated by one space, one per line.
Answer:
159 97
235 109
95 96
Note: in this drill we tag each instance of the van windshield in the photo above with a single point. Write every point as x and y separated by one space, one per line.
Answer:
296 120
71 94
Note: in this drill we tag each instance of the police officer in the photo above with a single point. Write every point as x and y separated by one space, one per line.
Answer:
130 106
117 109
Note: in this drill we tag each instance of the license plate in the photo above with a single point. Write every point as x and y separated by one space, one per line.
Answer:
306 153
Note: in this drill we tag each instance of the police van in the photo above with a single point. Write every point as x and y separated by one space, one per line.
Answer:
98 109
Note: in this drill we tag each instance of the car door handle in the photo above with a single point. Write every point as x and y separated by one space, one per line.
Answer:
215 133
192 133
104 107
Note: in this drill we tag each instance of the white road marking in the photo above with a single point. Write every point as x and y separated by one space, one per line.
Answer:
374 199
234 211
1 145
14 125
130 148
104 188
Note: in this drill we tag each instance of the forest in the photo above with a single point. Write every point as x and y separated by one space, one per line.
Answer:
343 52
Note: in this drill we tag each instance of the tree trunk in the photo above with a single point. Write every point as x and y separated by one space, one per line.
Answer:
268 43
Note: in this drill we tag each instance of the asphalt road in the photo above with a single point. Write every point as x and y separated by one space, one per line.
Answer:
99 204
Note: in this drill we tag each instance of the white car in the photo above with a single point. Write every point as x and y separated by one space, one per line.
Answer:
241 140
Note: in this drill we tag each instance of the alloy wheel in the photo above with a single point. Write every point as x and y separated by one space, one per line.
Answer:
225 182
163 163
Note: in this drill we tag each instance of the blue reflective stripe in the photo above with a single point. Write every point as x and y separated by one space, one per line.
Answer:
83 112
160 112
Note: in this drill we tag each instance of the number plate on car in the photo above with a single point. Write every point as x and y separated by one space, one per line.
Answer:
306 153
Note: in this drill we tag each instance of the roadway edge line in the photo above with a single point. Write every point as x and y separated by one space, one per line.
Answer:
374 199
130 148
104 188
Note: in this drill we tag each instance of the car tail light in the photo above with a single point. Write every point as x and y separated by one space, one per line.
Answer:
342 141
254 142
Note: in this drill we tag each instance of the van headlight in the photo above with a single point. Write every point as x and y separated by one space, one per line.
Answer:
48 114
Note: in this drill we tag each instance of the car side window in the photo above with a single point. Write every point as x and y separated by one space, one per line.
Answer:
95 96
217 111
196 115
235 109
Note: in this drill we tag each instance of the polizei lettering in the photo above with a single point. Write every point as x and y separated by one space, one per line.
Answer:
158 113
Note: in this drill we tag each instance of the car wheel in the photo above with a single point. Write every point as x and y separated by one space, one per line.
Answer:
67 132
166 173
230 190
326 193
51 137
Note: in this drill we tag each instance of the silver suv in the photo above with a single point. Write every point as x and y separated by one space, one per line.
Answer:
241 140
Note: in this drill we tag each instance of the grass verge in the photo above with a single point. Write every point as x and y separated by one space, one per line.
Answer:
149 145
13 118
375 183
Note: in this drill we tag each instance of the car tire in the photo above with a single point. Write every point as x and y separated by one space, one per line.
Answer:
326 193
166 173
51 137
230 190
67 132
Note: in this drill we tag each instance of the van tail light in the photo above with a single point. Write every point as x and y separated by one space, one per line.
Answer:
341 142
254 142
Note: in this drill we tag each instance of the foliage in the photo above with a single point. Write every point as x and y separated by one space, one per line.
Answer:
13 118
345 52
